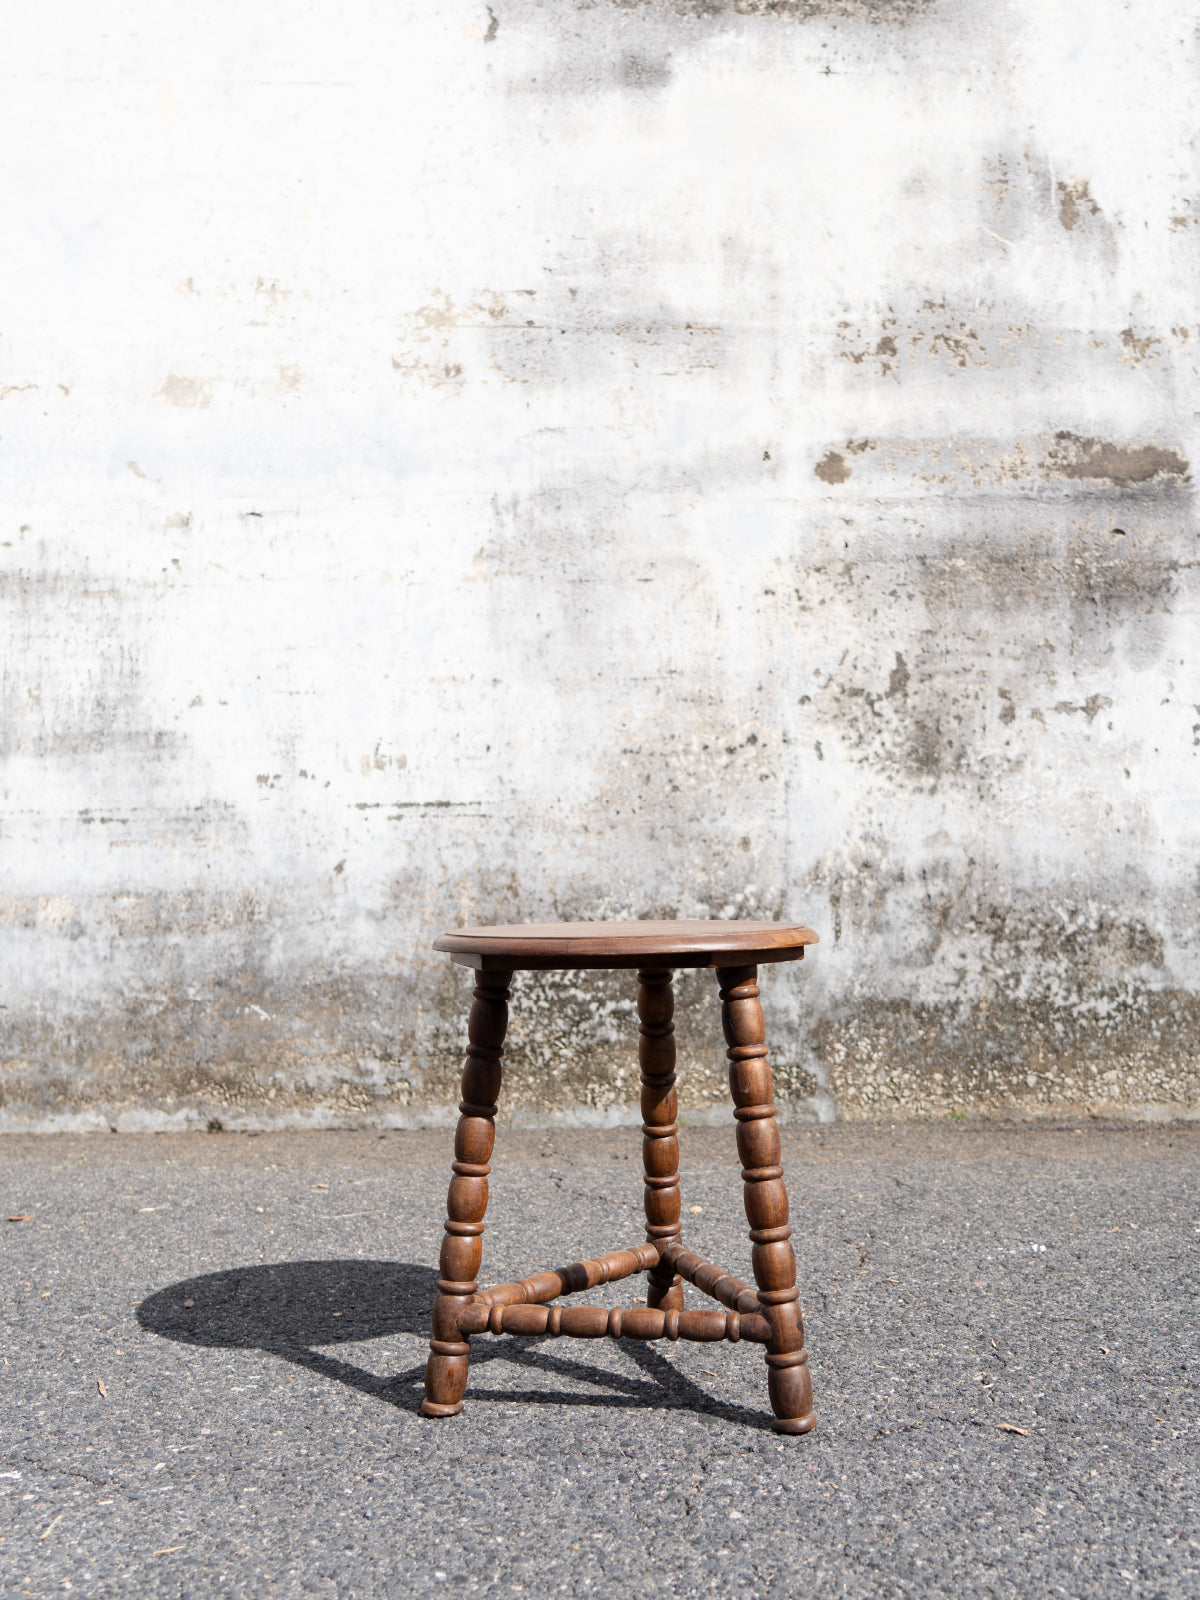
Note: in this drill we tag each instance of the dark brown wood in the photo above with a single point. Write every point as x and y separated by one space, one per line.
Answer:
466 1202
660 1130
769 1315
766 1199
722 1286
529 947
574 1279
597 1322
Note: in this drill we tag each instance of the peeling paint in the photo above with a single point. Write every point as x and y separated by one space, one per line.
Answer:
1073 457
832 467
1075 203
188 393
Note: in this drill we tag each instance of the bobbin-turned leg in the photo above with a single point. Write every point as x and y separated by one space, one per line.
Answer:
788 1382
660 1142
462 1246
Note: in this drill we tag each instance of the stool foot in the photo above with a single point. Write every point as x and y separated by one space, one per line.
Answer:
795 1424
429 1409
445 1381
790 1388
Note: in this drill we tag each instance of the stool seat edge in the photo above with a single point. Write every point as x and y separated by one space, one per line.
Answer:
548 946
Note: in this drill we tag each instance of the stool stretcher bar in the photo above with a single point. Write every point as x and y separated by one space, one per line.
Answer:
595 1322
721 1286
543 1286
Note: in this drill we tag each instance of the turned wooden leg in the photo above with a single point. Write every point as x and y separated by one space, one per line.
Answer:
766 1199
660 1143
466 1203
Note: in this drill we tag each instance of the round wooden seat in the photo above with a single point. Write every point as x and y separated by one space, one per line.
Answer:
544 946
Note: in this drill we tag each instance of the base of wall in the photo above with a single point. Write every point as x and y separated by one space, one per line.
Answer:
266 1118
819 1108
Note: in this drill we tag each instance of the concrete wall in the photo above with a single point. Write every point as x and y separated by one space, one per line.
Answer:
574 460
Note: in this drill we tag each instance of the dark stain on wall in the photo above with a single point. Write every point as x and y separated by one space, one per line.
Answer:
1076 1007
901 1059
360 1049
630 45
1075 203
894 12
832 468
1073 456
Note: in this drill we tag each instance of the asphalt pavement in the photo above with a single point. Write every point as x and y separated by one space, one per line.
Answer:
213 1348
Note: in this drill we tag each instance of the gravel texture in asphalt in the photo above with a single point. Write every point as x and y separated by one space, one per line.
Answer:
213 1348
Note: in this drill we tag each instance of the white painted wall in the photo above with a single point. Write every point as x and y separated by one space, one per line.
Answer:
595 459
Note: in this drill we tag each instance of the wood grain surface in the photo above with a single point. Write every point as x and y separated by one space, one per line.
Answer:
539 946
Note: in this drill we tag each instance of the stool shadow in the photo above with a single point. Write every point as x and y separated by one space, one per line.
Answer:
287 1308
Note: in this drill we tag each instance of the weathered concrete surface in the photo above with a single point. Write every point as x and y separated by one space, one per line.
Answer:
597 460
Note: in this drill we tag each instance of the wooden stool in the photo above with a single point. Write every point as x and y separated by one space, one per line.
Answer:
770 1315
